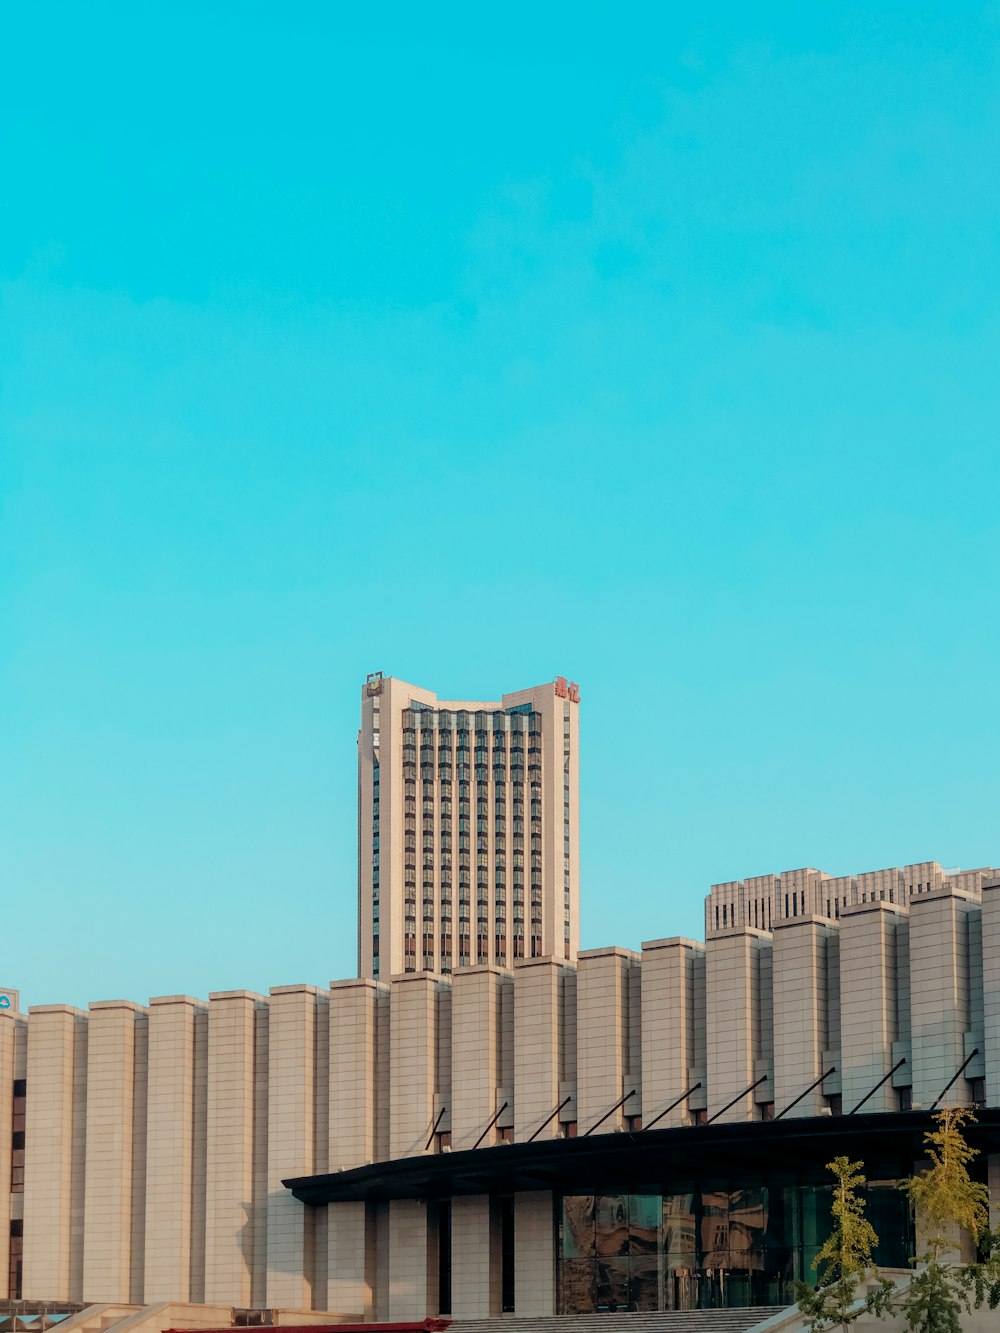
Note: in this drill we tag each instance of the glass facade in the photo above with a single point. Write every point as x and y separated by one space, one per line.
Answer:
708 1243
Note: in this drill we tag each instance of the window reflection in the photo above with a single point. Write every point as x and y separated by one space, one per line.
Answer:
707 1244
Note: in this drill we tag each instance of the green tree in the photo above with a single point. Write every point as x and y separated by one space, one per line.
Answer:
845 1264
947 1201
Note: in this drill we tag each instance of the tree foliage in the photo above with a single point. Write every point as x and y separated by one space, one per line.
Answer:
945 1197
947 1201
845 1264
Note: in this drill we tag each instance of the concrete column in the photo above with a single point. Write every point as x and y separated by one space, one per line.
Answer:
736 962
351 1261
868 1021
413 1053
673 1028
475 1037
292 1022
939 994
170 1121
668 985
140 1103
801 1029
603 994
534 1254
6 1129
229 1157
50 1168
261 1079
199 1155
991 989
354 1052
475 1267
317 1220
107 1254
354 1056
539 1045
410 1260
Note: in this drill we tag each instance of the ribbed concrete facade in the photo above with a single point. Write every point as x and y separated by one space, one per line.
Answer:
765 900
157 1137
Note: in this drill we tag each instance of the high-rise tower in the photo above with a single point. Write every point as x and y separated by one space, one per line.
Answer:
468 828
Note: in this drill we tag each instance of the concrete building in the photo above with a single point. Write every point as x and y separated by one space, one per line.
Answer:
468 828
623 1129
767 899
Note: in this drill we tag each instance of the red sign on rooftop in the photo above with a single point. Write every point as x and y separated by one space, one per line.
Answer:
567 689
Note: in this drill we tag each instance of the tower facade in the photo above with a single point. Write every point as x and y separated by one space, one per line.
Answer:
468 839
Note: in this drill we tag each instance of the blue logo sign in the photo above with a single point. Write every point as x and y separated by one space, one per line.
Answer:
4 1001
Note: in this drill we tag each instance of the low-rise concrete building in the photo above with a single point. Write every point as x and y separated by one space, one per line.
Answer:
626 1129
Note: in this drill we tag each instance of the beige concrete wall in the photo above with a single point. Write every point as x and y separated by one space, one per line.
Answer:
801 1026
737 1043
317 1257
351 1262
290 1141
140 1102
170 1147
353 1085
669 1006
413 1053
107 1250
53 1160
261 1082
354 1039
603 998
476 1051
475 1261
229 1203
868 1016
411 1258
939 995
539 1042
534 1254
991 989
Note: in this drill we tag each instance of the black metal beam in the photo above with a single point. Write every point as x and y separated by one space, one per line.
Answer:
885 1079
490 1125
888 1141
430 1137
621 1102
831 1070
955 1077
744 1093
549 1118
657 1118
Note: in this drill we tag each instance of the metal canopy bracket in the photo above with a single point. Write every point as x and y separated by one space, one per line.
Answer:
620 1102
491 1124
831 1070
885 1079
430 1137
745 1093
955 1077
657 1118
549 1118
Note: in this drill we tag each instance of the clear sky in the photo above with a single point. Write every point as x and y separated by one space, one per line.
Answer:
652 345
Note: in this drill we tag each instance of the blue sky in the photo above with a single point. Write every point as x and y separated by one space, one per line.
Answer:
654 348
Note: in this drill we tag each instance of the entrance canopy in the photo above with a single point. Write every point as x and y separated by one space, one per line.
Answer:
888 1143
